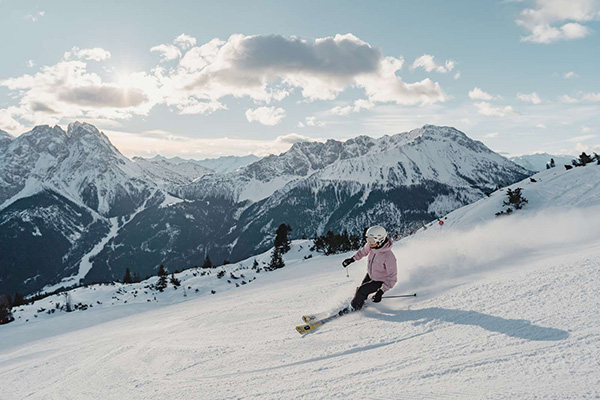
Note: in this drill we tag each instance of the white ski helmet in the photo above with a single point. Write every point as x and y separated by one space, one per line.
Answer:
376 235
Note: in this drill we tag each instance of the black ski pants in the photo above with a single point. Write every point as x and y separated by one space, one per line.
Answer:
367 287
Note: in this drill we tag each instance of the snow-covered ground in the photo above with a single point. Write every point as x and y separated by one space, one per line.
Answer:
507 308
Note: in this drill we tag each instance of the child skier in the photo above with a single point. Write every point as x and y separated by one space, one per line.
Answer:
381 266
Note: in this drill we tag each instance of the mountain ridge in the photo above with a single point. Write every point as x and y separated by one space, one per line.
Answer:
149 216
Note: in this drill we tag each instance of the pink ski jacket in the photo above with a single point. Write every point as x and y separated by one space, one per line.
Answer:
381 264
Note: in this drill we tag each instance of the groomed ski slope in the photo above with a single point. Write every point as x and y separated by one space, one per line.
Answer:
507 308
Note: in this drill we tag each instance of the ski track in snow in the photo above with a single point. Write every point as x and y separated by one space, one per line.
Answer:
506 309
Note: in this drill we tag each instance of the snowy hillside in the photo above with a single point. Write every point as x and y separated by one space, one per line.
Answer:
507 308
102 302
555 189
170 175
537 162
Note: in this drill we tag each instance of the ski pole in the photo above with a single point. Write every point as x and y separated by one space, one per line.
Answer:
400 295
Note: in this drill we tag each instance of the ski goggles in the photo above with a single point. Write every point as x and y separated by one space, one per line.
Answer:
371 240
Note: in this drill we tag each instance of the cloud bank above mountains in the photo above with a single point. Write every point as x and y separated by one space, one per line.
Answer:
194 79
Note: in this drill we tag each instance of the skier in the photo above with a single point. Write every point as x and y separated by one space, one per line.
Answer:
381 266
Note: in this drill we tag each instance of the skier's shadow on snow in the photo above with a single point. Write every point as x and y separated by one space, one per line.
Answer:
518 328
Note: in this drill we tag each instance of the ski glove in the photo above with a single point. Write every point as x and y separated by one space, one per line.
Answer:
347 262
377 297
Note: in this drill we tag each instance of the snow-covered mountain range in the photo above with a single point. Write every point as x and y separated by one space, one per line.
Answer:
90 212
61 194
80 164
537 162
400 181
219 164
170 175
440 154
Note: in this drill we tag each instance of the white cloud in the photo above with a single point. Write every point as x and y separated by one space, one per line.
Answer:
171 144
95 54
168 52
359 105
30 63
586 129
490 110
268 68
292 138
554 20
541 126
589 149
478 94
173 51
35 17
68 90
532 98
8 123
265 69
184 41
457 75
568 99
581 97
570 75
491 135
581 138
312 121
266 115
427 62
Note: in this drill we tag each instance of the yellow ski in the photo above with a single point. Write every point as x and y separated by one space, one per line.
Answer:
304 329
312 323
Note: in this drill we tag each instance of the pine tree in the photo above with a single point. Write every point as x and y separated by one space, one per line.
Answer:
515 199
127 278
174 281
207 262
276 260
162 279
5 310
585 159
5 315
282 242
332 243
18 300
136 277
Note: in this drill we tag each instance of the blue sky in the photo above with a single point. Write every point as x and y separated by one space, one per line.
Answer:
201 79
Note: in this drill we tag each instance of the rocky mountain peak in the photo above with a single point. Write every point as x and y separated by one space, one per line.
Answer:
82 128
6 135
5 138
